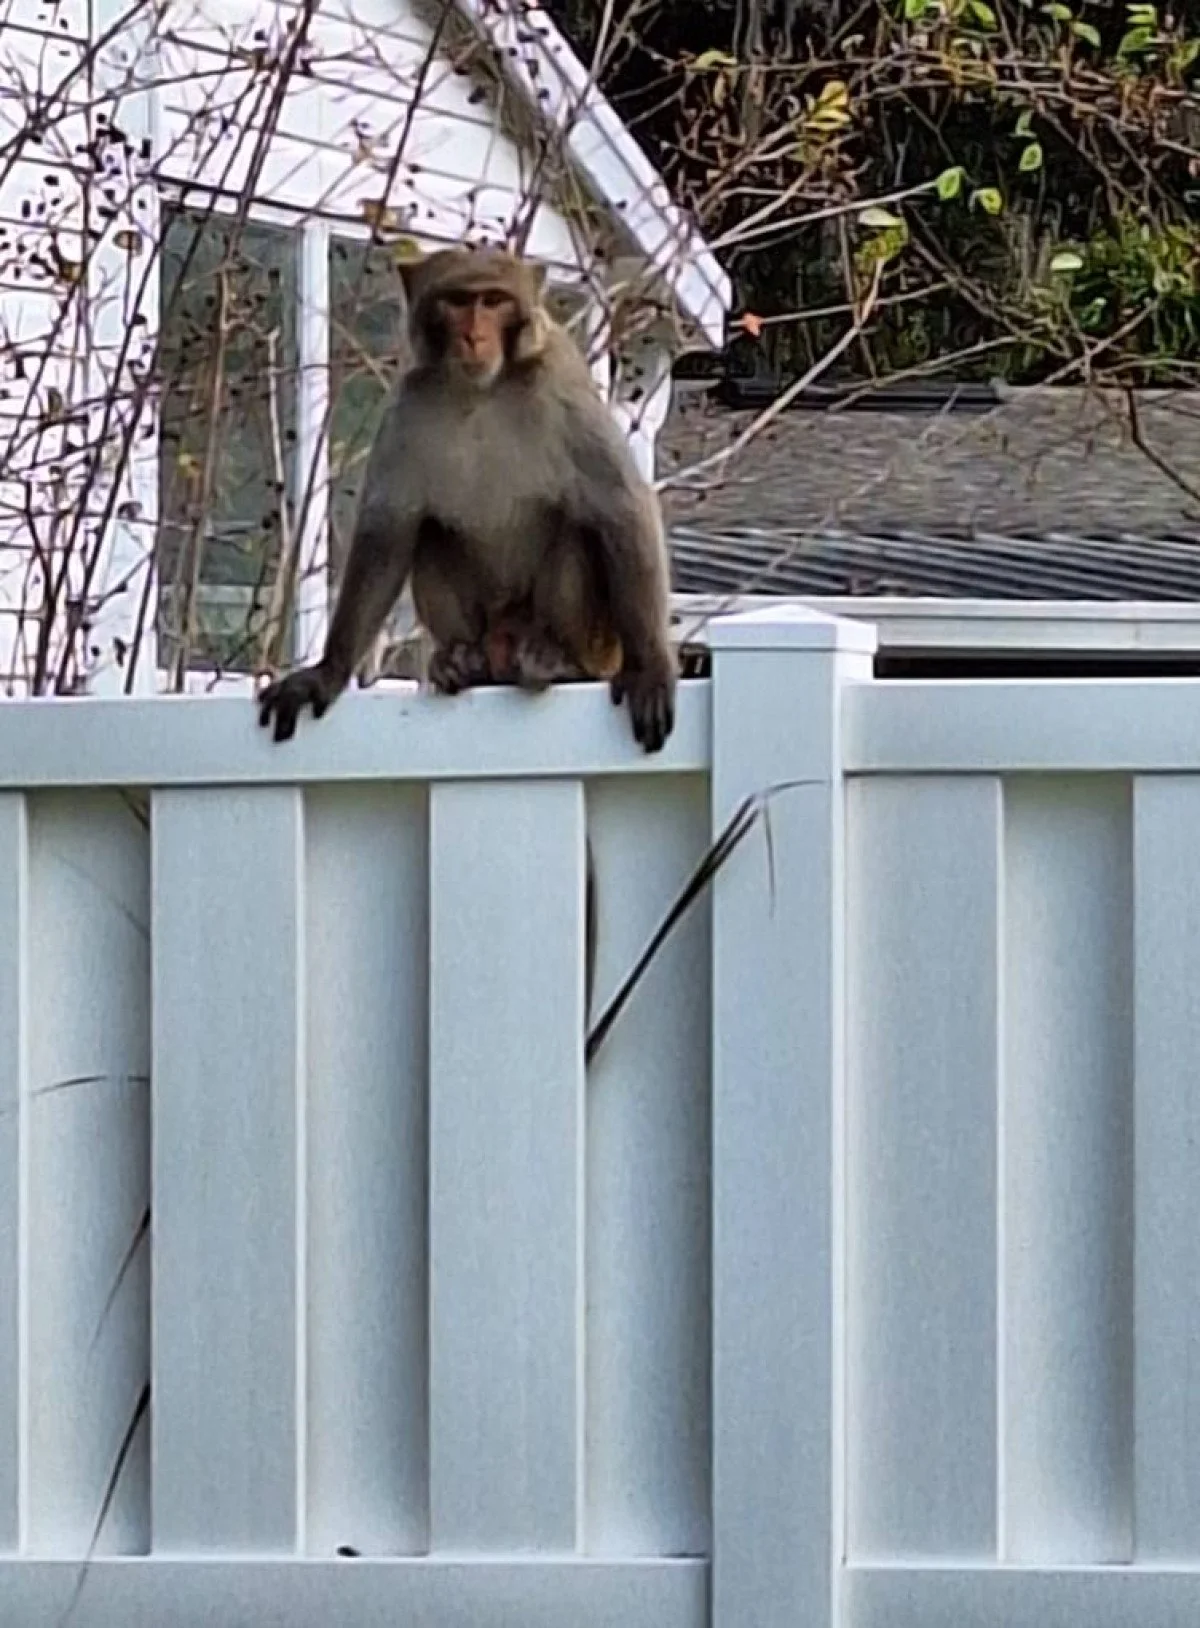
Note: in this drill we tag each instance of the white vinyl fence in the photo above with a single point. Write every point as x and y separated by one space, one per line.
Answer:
855 1284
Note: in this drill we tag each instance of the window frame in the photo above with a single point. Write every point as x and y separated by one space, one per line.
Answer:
309 484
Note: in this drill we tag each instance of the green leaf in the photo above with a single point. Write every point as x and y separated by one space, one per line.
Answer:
1024 124
1031 158
989 199
949 182
982 14
879 218
714 59
1142 16
914 10
1136 40
1060 13
835 91
1186 55
1066 260
1087 31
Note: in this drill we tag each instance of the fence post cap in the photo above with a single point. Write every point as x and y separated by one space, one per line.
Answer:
790 627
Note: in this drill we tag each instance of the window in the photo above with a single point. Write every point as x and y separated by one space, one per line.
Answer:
368 345
229 365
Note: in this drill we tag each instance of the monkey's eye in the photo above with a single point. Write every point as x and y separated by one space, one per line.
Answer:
458 299
494 297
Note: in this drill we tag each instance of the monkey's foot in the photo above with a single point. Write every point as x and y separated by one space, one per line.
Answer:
460 666
539 661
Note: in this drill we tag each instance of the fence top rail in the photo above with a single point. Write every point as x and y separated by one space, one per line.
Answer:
1009 726
573 731
983 626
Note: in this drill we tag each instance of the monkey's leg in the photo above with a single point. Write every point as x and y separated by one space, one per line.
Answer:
565 641
451 614
618 518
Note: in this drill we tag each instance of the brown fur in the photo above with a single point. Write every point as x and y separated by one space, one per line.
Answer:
499 482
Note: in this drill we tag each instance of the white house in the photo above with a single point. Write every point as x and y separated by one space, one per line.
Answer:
175 173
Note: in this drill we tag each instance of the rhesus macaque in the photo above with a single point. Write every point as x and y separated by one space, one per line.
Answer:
500 482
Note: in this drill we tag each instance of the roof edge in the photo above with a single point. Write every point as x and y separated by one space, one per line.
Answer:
562 92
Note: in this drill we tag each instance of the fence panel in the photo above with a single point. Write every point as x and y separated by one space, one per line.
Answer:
366 936
84 1185
1021 1187
229 1282
506 1166
14 1088
1067 1172
1166 1219
648 1226
923 989
359 1184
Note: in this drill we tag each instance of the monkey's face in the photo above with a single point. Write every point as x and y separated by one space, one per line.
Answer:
477 324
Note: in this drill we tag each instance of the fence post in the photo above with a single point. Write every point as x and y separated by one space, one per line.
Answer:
778 1523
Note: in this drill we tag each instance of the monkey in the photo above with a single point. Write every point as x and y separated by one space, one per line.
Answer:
501 484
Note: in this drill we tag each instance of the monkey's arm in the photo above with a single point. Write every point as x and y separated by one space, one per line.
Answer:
619 515
377 567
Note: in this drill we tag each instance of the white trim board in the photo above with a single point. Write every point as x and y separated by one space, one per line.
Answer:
1009 626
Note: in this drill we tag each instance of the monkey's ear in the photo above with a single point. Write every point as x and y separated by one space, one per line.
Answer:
531 339
410 263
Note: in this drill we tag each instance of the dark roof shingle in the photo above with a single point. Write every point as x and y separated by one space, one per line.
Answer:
1048 495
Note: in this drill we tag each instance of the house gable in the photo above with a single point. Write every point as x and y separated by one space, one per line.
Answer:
371 120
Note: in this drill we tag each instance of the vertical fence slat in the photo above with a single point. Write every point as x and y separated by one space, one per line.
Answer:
648 1204
923 1021
1167 1135
777 1134
366 932
228 1149
506 1150
14 988
87 1151
1067 1172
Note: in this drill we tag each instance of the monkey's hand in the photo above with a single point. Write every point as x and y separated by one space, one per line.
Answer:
650 692
285 699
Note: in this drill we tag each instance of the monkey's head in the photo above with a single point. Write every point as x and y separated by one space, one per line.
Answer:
476 312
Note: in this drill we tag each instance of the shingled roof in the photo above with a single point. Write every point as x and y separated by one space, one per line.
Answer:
1039 494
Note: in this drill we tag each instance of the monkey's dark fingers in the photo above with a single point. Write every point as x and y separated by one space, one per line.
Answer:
654 721
458 666
273 708
277 708
283 701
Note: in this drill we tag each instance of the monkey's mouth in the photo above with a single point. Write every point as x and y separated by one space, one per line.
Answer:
480 369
